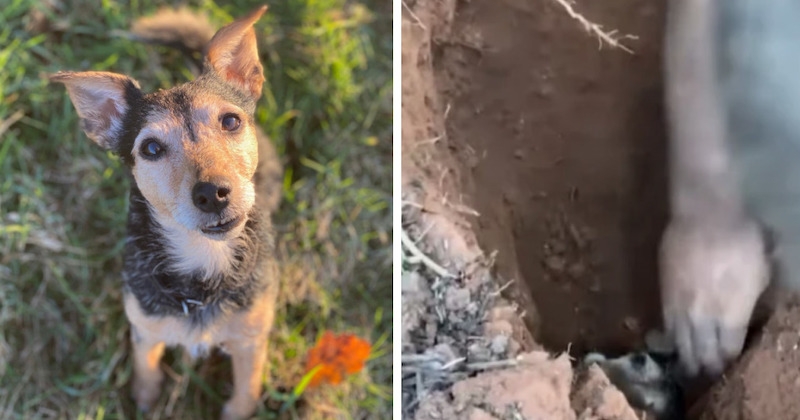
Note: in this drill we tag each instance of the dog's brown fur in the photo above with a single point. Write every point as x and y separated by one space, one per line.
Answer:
204 134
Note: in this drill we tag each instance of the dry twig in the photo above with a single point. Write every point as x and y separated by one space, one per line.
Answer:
417 256
414 16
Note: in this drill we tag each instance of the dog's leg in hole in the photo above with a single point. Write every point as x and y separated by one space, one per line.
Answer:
248 359
147 376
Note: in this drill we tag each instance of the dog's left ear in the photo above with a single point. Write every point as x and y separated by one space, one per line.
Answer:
233 55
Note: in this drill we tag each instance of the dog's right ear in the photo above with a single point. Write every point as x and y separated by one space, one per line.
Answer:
101 100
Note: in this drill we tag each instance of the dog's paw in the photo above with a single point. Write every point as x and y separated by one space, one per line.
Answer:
146 392
239 409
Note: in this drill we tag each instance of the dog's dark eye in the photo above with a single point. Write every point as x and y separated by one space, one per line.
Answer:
230 122
151 149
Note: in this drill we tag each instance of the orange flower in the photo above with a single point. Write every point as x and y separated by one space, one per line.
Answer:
336 355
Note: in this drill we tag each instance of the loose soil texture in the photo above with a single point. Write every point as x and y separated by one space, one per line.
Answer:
521 136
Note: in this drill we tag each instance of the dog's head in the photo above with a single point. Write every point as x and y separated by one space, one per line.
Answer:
192 149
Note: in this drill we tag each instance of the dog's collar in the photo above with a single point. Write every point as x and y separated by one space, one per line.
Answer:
178 301
196 304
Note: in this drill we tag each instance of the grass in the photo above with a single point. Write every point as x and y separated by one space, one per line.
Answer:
64 350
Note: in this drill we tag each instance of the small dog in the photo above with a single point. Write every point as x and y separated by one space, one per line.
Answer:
199 269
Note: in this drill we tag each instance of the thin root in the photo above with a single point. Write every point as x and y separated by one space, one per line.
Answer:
610 38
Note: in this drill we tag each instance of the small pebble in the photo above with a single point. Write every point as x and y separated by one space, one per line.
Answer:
499 345
576 270
631 324
555 263
472 308
456 298
410 282
477 352
443 353
498 327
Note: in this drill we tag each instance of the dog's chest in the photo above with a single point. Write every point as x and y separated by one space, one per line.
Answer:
177 330
162 284
200 345
237 327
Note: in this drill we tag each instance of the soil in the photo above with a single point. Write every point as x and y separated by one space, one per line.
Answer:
520 136
564 144
541 387
765 381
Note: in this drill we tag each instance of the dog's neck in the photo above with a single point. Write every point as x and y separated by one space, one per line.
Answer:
167 280
192 252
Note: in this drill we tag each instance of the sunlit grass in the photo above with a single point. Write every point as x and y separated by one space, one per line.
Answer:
63 337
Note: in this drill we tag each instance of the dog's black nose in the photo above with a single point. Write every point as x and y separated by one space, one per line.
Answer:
210 197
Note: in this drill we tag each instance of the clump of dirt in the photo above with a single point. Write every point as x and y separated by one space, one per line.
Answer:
765 382
539 387
595 398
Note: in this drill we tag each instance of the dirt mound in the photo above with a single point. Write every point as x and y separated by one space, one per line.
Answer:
765 382
539 387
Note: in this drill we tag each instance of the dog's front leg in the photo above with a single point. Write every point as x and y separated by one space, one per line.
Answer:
147 376
249 358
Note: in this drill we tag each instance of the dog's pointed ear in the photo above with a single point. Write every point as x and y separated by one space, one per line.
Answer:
101 100
233 55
